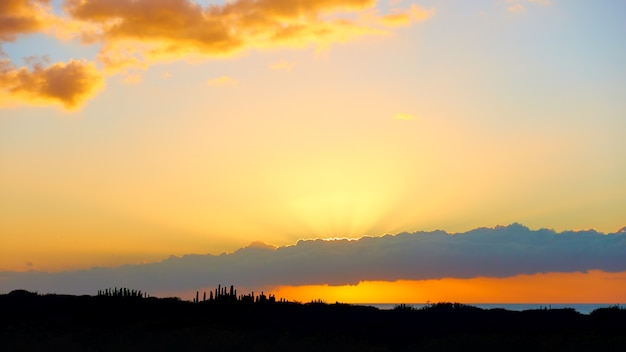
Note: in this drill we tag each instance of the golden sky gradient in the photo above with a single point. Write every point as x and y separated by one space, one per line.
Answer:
135 130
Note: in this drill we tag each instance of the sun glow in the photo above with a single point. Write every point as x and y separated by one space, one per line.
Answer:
591 287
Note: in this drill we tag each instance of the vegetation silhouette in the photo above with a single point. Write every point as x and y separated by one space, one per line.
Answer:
125 319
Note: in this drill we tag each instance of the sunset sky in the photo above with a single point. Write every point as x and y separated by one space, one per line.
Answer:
134 130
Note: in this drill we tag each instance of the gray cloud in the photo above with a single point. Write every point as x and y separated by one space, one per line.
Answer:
499 252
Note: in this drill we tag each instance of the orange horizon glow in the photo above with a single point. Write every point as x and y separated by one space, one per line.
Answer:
594 286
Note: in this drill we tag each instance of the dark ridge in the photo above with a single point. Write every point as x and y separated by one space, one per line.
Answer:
122 319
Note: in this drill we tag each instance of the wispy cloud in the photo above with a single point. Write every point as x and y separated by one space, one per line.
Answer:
222 81
283 65
403 116
498 252
132 78
518 6
401 17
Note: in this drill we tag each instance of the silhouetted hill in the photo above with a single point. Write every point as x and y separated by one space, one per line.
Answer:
124 323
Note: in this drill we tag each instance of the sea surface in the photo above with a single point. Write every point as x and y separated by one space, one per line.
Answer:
581 308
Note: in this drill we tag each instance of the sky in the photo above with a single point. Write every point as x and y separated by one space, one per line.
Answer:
132 131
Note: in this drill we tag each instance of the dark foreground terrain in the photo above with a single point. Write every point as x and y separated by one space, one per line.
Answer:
31 322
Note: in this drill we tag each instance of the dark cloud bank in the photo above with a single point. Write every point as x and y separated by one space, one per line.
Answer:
498 252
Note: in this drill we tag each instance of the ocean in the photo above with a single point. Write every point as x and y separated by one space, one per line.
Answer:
585 308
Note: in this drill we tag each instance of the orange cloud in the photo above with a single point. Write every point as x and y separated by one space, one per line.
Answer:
135 33
139 31
69 84
22 16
